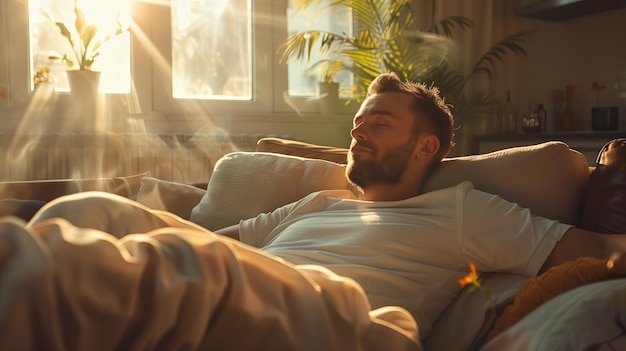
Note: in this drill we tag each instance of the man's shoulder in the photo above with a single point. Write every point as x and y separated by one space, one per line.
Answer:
463 186
325 196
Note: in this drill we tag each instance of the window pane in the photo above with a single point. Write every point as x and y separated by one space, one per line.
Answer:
212 49
303 81
46 40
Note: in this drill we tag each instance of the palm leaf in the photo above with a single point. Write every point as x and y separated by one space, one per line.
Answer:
446 25
301 44
386 40
511 43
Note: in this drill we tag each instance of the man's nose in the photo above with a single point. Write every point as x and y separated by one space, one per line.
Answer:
358 132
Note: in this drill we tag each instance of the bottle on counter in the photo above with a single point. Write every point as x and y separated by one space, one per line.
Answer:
568 114
507 118
530 121
542 116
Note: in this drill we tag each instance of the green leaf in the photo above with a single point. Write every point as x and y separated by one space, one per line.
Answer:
446 25
87 35
65 32
80 18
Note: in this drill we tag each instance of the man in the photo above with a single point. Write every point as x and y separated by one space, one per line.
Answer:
403 248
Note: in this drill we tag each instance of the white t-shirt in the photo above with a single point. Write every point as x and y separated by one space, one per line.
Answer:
407 253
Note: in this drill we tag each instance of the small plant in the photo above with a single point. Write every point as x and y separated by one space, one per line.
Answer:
83 39
43 75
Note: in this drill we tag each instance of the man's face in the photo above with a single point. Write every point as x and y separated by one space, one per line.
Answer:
383 141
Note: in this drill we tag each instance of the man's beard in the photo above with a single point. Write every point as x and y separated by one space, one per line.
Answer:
387 169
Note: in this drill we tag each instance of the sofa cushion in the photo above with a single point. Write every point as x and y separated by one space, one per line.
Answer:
46 190
548 178
174 197
245 184
605 204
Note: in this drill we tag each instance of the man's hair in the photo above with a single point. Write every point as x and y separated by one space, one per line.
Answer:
428 104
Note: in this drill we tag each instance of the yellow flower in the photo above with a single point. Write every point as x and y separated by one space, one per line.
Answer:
471 278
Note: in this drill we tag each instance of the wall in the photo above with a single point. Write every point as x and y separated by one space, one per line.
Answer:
578 51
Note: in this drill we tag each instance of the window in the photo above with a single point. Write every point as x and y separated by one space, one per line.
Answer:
178 56
302 78
46 40
212 49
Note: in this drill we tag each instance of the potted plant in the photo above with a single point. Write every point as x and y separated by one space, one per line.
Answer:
328 87
85 42
386 40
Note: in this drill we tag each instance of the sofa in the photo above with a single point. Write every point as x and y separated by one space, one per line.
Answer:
550 179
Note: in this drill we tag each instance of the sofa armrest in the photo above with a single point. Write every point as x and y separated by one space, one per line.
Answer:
42 190
302 149
46 190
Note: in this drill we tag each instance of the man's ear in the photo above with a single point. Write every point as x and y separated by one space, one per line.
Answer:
427 146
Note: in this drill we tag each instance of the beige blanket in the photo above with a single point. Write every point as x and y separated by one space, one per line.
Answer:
94 271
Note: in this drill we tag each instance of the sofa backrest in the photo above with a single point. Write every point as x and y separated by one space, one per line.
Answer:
549 178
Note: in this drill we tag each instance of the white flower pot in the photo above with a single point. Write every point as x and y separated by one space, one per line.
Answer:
84 84
84 95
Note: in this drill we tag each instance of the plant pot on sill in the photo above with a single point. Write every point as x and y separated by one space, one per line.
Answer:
84 84
328 97
84 99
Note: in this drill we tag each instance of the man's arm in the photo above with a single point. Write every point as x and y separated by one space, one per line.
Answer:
580 243
231 231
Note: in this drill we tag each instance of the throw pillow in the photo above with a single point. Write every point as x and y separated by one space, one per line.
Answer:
245 184
605 204
177 198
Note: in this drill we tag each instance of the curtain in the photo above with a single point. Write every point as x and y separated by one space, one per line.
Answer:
493 21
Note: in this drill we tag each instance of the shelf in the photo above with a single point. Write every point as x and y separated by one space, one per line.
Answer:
561 10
